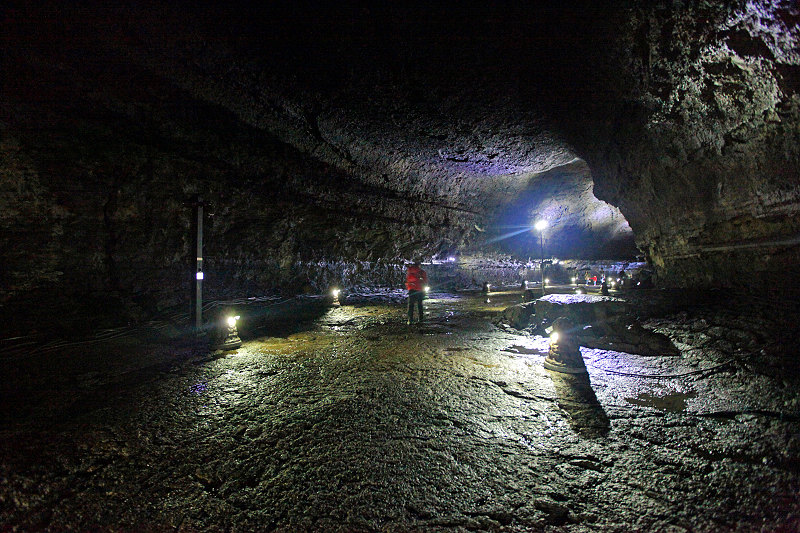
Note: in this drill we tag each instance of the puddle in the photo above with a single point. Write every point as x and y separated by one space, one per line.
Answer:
674 402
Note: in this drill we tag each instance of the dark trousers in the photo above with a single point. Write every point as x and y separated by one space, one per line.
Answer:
415 297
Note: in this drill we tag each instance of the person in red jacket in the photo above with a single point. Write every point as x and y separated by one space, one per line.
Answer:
416 280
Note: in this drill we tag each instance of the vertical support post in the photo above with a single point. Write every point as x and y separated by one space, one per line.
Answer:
198 304
541 236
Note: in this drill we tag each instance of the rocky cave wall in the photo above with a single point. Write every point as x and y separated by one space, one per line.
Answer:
701 151
101 163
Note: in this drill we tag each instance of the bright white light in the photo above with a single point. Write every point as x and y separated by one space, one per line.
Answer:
547 280
199 275
232 320
335 293
451 259
574 280
554 337
540 225
427 289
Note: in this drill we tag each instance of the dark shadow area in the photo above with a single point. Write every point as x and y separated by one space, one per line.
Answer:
61 374
273 320
577 398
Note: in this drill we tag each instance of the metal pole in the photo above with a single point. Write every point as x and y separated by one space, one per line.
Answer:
541 235
198 305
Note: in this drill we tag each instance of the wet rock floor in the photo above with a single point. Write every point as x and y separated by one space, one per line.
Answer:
358 422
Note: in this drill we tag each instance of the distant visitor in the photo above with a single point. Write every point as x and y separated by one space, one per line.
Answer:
416 280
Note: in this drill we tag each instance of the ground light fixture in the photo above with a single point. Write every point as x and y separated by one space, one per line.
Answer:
231 341
564 354
427 289
335 292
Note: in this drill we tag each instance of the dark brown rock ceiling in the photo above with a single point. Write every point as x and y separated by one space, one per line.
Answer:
379 133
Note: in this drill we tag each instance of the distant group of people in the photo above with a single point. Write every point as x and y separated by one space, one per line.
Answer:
594 279
417 282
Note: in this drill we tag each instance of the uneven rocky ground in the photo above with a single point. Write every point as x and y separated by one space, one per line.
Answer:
354 421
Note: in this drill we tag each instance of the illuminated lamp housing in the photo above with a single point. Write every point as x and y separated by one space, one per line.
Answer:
231 341
564 355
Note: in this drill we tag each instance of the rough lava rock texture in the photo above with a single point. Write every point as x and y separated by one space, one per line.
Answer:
703 158
579 308
363 136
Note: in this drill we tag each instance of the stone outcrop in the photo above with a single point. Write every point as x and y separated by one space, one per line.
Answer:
517 316
603 322
579 308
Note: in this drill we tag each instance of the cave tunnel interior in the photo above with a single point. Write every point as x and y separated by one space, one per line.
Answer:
332 144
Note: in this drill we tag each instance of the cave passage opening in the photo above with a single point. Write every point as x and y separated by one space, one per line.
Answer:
579 225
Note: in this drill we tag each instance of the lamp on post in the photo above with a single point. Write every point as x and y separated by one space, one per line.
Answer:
197 301
540 227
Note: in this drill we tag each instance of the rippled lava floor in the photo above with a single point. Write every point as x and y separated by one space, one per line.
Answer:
358 422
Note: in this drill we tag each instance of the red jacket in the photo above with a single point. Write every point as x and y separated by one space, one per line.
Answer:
416 278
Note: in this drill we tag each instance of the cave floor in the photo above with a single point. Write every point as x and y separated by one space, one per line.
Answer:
358 422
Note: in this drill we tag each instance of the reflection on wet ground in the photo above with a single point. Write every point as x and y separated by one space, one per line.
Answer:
347 419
